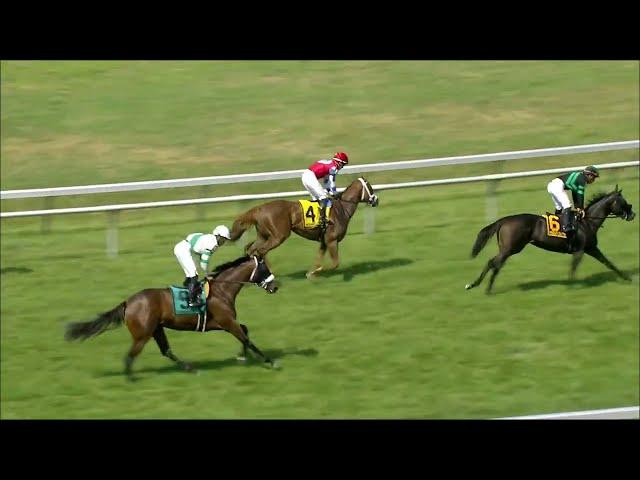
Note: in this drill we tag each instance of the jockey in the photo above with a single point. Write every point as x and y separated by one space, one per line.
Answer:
325 170
202 245
575 182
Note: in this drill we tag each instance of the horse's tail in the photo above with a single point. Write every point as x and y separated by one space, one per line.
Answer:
242 223
83 330
484 235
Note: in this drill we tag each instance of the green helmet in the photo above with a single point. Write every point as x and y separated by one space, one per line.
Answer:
592 170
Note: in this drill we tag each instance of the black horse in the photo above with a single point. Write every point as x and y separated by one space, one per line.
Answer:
516 231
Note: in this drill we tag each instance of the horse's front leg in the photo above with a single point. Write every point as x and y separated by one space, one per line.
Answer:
318 265
241 333
333 253
575 261
597 254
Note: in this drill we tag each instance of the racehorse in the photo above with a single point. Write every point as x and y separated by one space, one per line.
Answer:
147 312
516 231
275 220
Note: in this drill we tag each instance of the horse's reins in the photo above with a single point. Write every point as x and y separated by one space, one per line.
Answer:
263 282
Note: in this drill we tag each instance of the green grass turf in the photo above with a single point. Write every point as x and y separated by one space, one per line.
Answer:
392 334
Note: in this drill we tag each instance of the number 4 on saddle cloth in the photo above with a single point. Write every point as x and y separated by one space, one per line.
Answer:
311 213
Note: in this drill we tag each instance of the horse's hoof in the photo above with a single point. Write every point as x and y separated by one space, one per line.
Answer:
187 367
468 286
270 364
241 359
310 275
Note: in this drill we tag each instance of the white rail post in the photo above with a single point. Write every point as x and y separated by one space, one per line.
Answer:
369 220
491 199
112 234
201 208
45 226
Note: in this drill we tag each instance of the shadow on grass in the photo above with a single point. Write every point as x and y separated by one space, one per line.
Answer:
594 280
353 270
171 367
15 270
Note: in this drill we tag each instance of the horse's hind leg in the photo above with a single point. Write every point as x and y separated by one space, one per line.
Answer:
134 351
248 246
163 343
478 280
497 263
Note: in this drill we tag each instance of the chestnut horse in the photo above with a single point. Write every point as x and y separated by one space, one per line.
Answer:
275 220
147 312
516 231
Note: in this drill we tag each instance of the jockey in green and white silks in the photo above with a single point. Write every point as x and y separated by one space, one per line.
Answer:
575 182
203 245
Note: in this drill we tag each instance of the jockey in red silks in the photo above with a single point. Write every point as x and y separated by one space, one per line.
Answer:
326 171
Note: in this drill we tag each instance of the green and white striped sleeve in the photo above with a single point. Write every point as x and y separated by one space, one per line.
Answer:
204 260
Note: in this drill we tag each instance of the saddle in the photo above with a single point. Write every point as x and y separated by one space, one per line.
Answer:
181 306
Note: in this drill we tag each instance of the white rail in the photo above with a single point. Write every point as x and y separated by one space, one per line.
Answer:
233 198
607 413
373 167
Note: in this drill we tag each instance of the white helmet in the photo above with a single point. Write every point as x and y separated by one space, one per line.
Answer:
222 231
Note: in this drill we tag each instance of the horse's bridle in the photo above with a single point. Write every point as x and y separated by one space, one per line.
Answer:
262 284
372 196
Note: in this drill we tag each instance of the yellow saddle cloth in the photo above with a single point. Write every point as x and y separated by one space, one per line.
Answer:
553 226
311 213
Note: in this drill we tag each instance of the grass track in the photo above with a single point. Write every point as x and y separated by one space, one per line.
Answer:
400 337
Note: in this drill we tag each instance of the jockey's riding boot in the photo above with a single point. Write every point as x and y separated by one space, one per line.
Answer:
323 215
566 221
558 212
194 292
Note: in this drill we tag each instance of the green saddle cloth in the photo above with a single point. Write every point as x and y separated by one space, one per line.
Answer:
181 301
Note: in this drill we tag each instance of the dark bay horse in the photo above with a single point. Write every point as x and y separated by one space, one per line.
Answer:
147 312
275 220
516 231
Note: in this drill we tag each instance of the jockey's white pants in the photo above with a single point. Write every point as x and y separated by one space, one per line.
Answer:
313 186
558 194
182 251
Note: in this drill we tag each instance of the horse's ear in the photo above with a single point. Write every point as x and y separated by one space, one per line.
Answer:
617 188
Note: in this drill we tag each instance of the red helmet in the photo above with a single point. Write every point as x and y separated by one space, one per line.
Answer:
341 157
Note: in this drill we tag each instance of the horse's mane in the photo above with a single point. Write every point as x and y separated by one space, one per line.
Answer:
597 197
225 266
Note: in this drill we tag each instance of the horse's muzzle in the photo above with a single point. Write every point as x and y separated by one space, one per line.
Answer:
630 216
373 201
271 287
